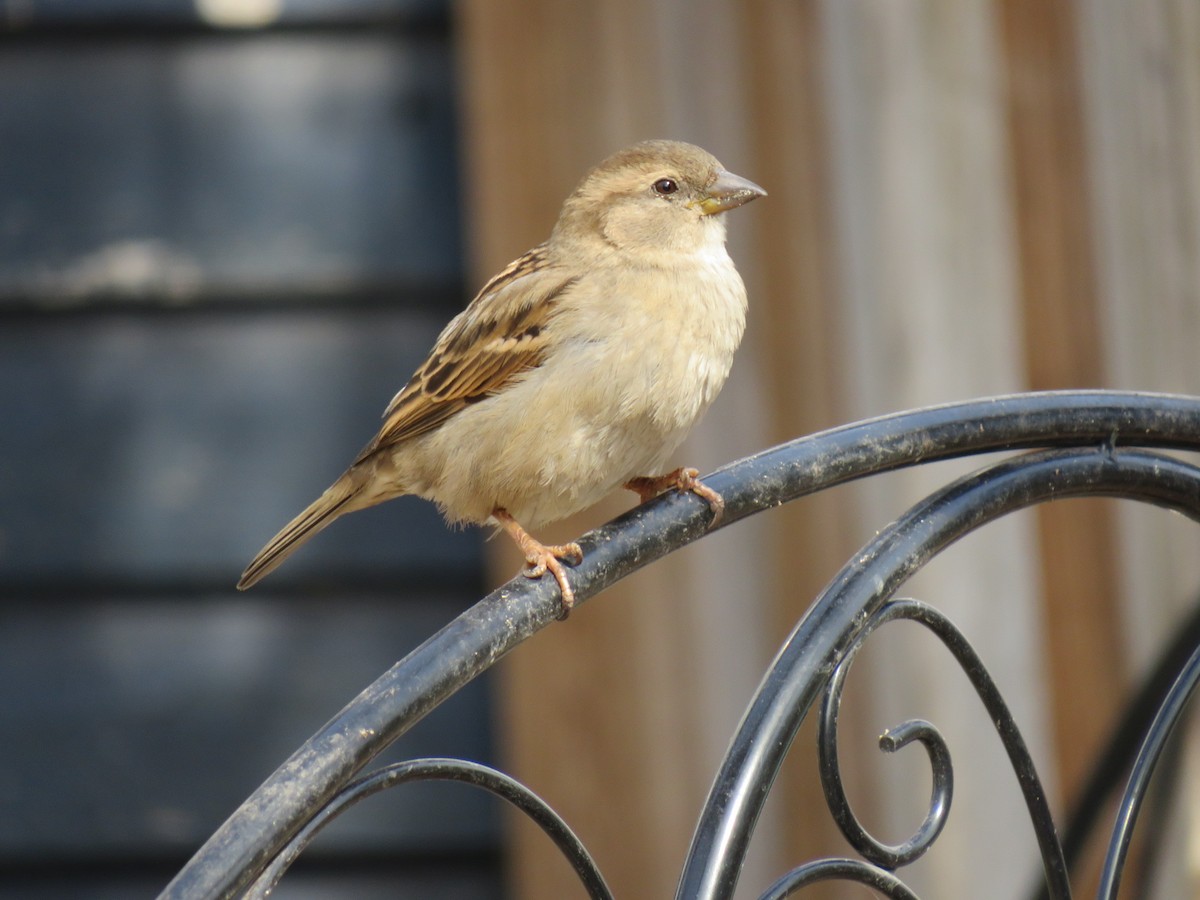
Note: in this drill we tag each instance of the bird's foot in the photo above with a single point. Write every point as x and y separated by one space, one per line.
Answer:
682 479
541 558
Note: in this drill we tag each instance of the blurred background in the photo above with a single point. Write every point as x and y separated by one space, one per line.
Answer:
230 229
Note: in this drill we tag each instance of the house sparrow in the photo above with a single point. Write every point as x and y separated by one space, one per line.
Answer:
577 369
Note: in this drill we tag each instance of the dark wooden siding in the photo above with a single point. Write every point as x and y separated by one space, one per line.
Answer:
221 253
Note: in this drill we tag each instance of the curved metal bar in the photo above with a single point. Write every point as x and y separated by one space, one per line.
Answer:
255 832
1164 723
828 629
1053 861
438 769
1122 745
1163 795
887 856
843 870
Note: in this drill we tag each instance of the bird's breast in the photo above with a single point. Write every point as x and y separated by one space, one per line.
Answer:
676 340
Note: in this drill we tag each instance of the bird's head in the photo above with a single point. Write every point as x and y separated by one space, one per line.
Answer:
655 197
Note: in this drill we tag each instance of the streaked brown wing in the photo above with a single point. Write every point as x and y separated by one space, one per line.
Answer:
498 336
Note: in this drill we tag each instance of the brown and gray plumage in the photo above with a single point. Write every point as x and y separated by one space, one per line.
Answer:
579 368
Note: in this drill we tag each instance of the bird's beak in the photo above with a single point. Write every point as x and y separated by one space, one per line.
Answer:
728 192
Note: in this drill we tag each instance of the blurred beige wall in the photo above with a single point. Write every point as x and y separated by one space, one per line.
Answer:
966 198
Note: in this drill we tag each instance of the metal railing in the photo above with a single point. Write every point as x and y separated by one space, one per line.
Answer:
1078 444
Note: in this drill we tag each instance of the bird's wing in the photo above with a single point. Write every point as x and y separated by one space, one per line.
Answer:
498 336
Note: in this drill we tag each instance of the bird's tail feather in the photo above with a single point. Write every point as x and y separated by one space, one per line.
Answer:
336 501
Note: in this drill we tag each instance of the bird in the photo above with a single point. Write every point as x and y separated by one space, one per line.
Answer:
577 369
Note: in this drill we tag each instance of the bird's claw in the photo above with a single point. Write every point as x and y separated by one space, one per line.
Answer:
682 479
541 559
690 481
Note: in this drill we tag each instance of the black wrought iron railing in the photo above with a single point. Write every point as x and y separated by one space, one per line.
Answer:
1073 444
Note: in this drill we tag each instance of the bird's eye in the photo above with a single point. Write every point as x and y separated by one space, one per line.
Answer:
665 187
